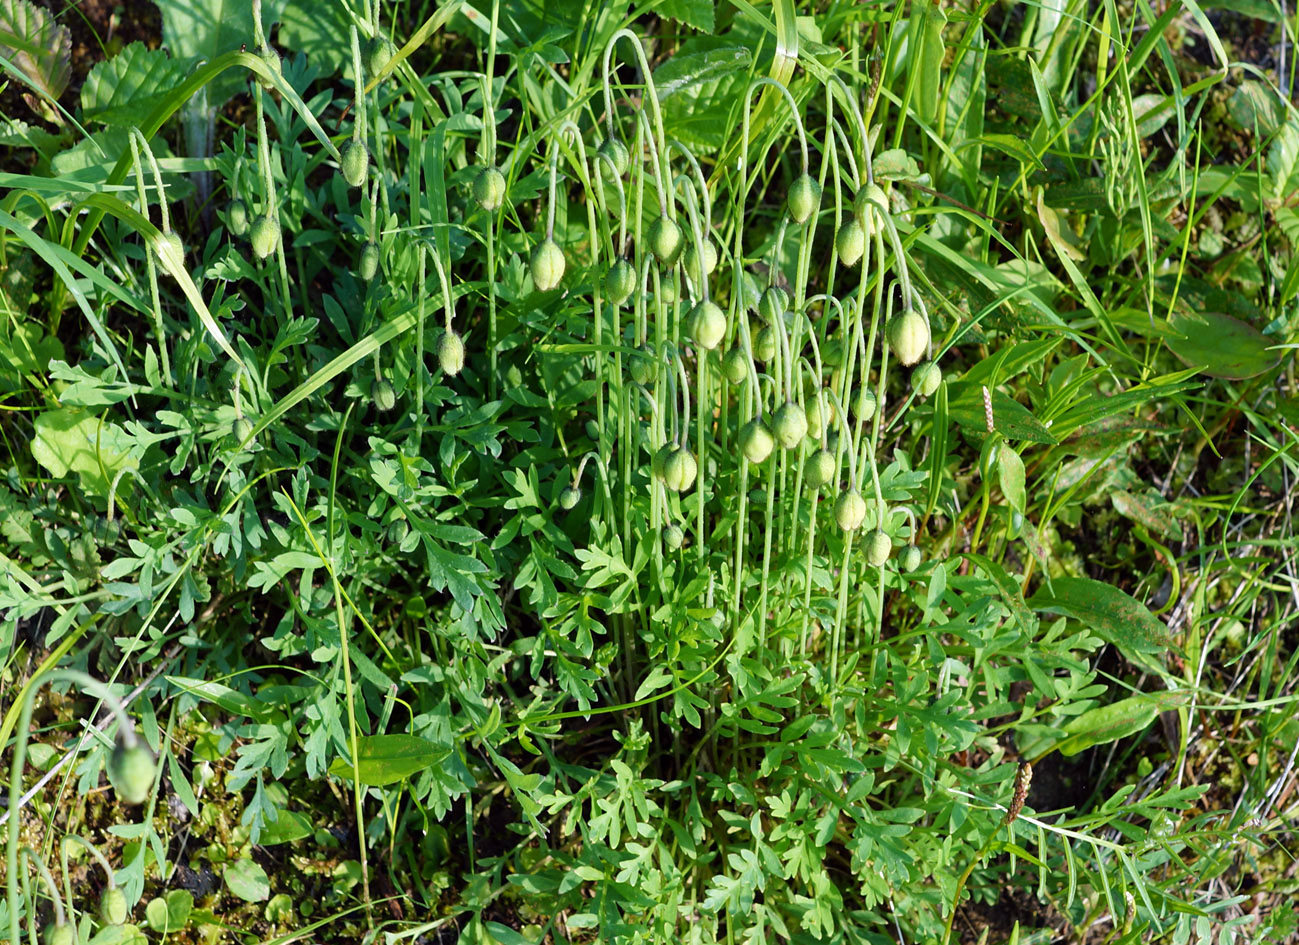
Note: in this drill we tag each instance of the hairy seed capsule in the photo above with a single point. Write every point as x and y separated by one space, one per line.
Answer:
620 281
764 345
772 303
735 366
489 188
383 394
878 548
756 441
707 253
378 54
451 353
131 771
680 469
665 241
547 265
673 537
369 264
707 325
820 469
911 558
113 908
569 497
643 367
237 214
354 161
850 510
60 933
925 378
790 425
908 337
850 241
265 235
617 153
804 198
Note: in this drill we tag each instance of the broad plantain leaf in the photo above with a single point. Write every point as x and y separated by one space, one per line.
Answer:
1114 616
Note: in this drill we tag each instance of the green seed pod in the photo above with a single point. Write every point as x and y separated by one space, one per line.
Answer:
756 441
547 265
772 303
643 367
378 54
790 425
237 215
925 378
131 771
694 254
707 325
61 933
383 394
820 469
908 337
593 431
241 429
850 241
113 908
489 188
617 152
804 198
272 60
680 469
620 281
850 510
354 161
569 497
170 249
735 366
451 353
764 345
369 264
673 536
265 235
878 548
911 558
665 241
870 200
866 404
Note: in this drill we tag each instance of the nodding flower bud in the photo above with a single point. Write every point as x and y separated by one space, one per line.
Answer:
772 303
790 425
489 188
850 510
618 155
680 469
620 282
665 241
756 441
378 54
451 353
673 536
911 559
354 161
820 469
113 908
547 265
569 497
925 378
643 367
705 253
707 324
735 366
265 235
850 242
908 336
369 265
764 345
804 198
59 933
131 770
1023 778
878 548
